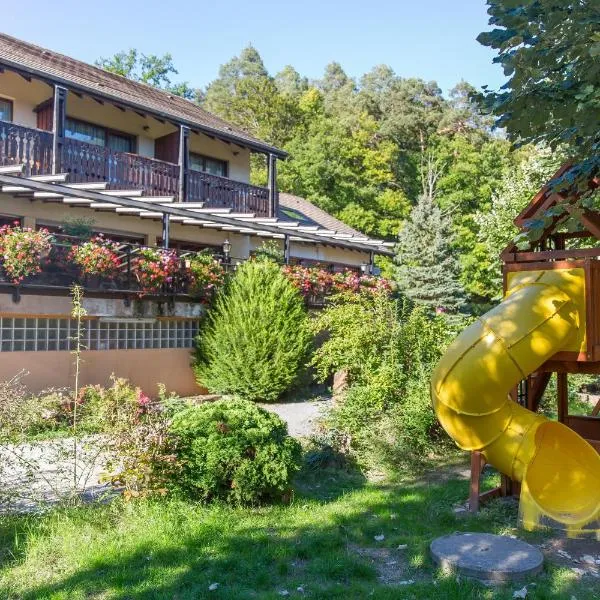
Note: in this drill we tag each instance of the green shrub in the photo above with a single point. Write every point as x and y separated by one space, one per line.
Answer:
389 349
256 338
235 451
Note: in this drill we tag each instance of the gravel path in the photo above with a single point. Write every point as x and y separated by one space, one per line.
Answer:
42 473
300 417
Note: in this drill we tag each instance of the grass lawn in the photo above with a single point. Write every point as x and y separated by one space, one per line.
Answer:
322 546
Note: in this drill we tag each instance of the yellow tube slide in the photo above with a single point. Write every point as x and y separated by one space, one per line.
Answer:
543 313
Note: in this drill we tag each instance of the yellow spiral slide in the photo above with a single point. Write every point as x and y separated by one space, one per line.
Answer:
543 313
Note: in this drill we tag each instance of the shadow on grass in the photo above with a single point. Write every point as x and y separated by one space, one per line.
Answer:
176 550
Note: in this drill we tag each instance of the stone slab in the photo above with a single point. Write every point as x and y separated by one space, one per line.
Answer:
487 557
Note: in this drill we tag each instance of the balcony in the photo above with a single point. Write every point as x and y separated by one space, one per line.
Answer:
128 276
122 170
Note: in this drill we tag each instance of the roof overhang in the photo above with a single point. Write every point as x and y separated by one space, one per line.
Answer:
54 188
105 95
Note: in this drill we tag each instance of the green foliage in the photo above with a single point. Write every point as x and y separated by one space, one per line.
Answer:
428 271
146 68
549 49
256 338
359 332
81 227
388 350
269 251
233 450
496 228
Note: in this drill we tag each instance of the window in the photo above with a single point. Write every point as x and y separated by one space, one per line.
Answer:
40 334
6 110
183 246
206 164
9 220
98 136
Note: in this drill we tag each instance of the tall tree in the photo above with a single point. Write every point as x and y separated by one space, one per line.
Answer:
147 68
550 50
427 269
245 94
496 223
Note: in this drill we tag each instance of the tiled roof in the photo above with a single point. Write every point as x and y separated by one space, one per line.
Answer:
312 213
81 76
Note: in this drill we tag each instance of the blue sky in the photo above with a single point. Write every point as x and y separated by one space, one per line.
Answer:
432 39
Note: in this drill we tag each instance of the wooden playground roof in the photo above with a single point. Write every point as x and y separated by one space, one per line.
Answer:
543 201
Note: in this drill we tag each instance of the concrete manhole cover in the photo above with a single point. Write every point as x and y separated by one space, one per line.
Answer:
487 557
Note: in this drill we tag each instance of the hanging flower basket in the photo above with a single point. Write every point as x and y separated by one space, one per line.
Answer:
205 274
22 250
155 269
98 256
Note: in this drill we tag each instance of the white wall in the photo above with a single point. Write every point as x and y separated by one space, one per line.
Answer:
237 157
25 96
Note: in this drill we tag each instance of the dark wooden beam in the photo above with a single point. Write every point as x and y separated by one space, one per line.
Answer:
98 100
27 78
272 185
525 257
184 162
562 392
58 126
141 114
166 228
536 386
286 249
121 108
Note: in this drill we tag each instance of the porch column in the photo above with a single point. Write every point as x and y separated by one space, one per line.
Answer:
184 162
58 126
166 227
272 184
286 249
371 263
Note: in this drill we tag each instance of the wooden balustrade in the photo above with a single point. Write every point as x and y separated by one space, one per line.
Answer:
87 162
220 192
25 145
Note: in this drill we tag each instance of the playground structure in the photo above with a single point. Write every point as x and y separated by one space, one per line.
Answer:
487 388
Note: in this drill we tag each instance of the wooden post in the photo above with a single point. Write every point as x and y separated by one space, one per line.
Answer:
562 389
286 249
184 162
58 126
166 226
272 183
477 464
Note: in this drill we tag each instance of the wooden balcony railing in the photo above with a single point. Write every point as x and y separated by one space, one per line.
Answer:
87 163
24 145
220 192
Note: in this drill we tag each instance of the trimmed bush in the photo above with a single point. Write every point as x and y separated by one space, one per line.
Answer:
256 338
235 451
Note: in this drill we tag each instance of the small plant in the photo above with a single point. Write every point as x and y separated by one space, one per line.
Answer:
79 227
22 250
315 281
309 282
155 268
269 251
206 275
233 450
256 338
97 256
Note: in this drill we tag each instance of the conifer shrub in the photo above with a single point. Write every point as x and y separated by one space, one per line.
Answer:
256 338
235 451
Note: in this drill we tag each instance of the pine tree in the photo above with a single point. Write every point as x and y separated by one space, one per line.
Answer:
427 270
